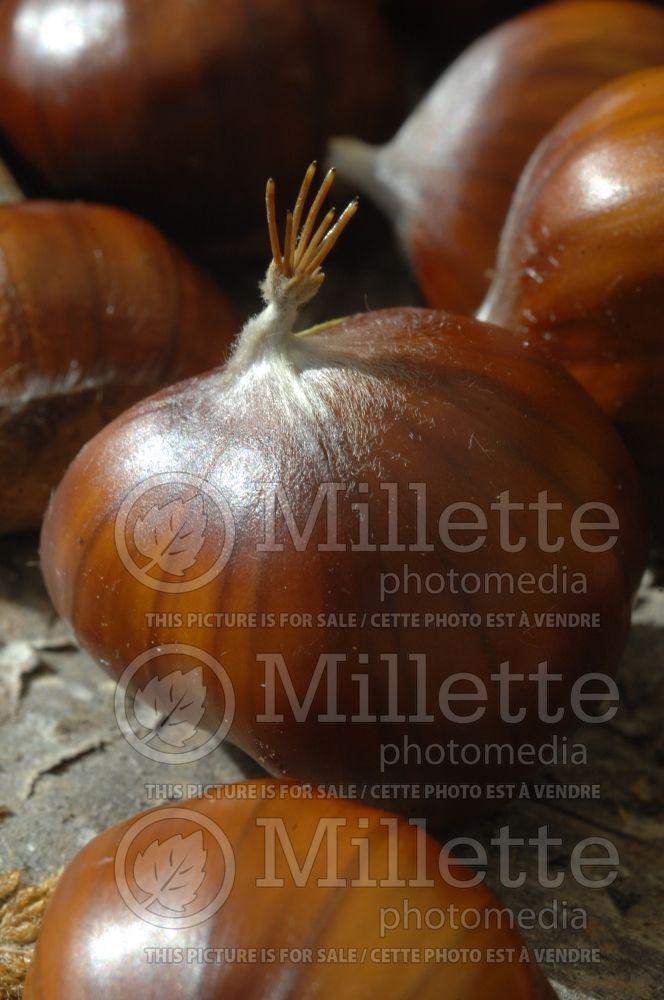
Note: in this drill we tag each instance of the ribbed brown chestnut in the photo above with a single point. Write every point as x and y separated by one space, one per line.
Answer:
447 177
315 482
581 265
97 310
127 918
180 110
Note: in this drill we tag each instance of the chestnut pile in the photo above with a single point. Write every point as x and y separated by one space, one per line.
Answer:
391 553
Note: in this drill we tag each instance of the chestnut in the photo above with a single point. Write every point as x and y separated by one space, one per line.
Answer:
446 179
177 110
98 310
258 891
363 526
580 271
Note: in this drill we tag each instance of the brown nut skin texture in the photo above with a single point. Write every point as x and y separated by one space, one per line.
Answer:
97 310
581 263
460 406
181 110
75 960
450 172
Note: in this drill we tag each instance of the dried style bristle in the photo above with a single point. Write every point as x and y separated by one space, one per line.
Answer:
294 275
305 251
305 377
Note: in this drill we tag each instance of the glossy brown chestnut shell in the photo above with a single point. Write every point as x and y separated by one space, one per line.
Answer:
101 927
97 310
447 178
580 270
180 110
402 397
